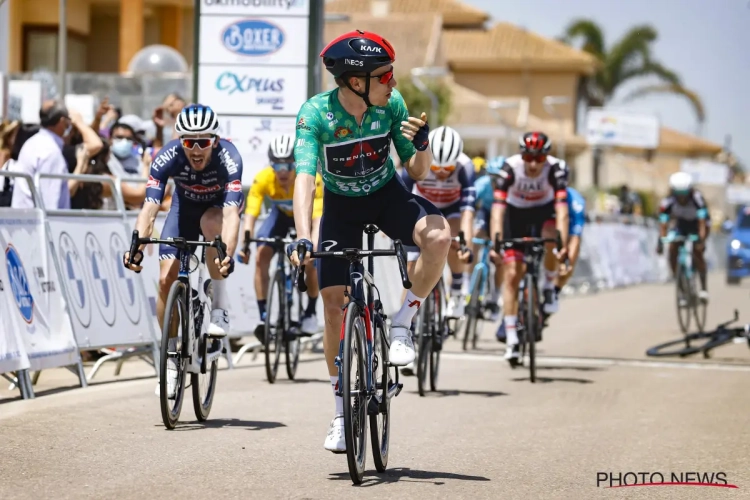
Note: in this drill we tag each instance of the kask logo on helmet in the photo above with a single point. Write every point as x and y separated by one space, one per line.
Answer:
253 37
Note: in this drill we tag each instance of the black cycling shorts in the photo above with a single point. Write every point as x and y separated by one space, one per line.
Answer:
392 208
526 222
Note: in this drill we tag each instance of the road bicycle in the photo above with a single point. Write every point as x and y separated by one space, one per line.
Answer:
530 314
479 288
367 381
282 327
703 342
688 303
186 317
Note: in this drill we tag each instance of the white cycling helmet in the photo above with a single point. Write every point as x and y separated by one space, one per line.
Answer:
281 149
197 119
446 146
680 182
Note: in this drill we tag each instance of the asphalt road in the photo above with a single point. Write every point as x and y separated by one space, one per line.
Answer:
600 407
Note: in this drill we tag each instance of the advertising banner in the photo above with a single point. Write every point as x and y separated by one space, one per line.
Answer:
31 292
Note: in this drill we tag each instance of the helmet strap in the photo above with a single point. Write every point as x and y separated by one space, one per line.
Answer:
366 95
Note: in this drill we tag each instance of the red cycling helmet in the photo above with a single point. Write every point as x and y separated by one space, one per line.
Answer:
535 144
358 52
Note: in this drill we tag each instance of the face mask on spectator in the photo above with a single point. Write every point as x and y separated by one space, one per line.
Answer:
122 148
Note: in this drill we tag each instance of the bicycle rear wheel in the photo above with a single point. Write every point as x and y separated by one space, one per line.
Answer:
424 325
683 300
472 314
532 323
380 414
175 322
438 332
685 346
276 325
292 343
355 392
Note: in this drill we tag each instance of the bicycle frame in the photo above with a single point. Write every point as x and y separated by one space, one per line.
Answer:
482 268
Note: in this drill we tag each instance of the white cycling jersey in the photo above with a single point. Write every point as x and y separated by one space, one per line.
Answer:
456 188
515 188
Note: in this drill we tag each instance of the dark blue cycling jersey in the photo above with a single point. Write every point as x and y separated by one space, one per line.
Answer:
219 184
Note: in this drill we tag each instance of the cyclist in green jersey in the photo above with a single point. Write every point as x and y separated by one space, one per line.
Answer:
347 133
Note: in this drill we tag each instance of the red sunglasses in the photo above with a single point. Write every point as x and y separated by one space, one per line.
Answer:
384 78
529 157
203 143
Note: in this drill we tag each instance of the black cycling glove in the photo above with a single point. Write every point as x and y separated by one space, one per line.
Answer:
421 138
293 246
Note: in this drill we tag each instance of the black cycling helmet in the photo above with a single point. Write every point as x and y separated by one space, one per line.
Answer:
358 52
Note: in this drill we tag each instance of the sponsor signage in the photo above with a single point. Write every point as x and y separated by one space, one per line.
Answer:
617 128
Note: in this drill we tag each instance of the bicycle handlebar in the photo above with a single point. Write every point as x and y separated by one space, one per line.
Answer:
353 254
179 243
526 241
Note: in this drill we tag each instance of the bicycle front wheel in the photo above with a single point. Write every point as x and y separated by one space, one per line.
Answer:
174 341
438 326
275 326
204 384
683 300
699 306
532 323
472 314
292 342
355 392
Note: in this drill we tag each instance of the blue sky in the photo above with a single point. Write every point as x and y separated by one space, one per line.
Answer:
706 42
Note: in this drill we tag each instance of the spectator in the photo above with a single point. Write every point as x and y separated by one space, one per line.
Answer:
128 160
80 134
164 118
42 154
630 202
91 195
8 133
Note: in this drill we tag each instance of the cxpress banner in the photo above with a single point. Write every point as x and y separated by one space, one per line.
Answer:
31 292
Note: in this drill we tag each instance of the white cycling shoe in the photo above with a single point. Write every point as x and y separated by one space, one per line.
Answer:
310 325
335 440
455 306
401 352
219 325
408 370
171 373
703 295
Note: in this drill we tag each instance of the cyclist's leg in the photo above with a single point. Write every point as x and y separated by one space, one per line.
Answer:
340 227
551 267
455 307
674 247
211 222
274 225
699 260
415 221
180 222
516 226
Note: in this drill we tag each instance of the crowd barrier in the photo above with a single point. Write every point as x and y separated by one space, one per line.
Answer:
63 286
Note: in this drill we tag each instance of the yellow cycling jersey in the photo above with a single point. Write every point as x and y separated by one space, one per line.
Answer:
266 186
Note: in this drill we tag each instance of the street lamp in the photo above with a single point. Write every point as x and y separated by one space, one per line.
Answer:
549 103
496 105
434 72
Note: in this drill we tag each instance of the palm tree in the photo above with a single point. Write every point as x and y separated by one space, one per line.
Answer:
629 58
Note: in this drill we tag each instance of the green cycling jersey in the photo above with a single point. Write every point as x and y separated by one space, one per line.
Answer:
354 159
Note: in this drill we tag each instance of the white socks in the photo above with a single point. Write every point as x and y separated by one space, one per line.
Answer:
404 315
550 276
339 399
511 335
219 294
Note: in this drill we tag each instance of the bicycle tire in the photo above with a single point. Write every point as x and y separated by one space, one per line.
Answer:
720 338
438 335
472 314
683 292
380 423
276 292
521 329
662 350
292 345
699 306
425 346
202 405
531 332
176 300
355 412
